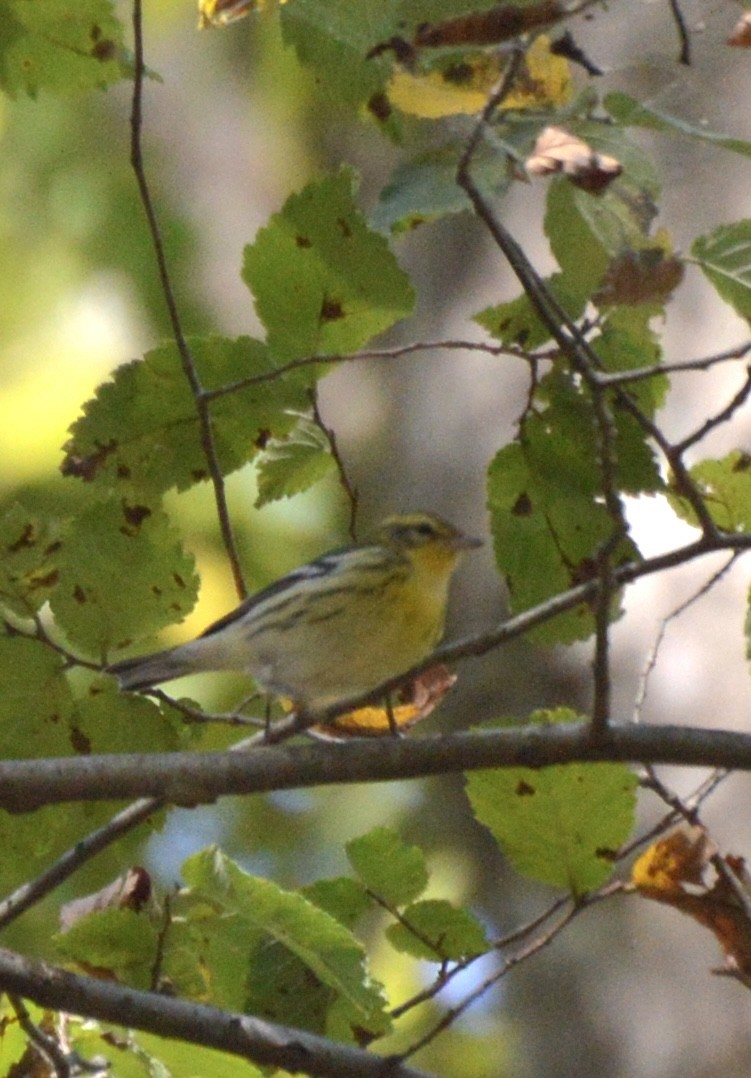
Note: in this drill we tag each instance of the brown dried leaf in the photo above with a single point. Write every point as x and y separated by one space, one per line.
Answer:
416 701
675 871
741 35
645 276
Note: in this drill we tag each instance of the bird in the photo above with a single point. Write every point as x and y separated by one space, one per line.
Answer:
334 628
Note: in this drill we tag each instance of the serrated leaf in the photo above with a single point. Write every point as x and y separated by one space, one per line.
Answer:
344 898
293 464
437 931
108 721
61 46
548 519
725 258
110 543
321 943
393 871
141 430
29 551
35 700
322 281
627 342
333 38
561 825
725 486
119 941
517 322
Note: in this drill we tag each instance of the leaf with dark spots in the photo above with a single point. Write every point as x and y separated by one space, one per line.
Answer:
87 466
26 539
522 507
524 789
303 241
331 310
80 741
79 594
136 514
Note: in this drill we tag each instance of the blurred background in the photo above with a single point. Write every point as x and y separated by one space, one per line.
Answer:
234 127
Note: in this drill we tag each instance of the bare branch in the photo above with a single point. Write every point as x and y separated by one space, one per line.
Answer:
264 1043
194 779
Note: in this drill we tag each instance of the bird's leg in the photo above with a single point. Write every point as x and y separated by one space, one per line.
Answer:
393 725
267 717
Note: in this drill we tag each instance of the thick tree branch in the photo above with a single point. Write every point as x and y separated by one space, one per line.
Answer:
264 1043
199 778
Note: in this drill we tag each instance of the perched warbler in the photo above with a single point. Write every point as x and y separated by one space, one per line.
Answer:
333 628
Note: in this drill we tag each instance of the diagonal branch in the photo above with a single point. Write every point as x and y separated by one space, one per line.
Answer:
264 1043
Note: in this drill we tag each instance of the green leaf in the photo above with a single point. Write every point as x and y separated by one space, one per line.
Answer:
627 342
517 322
120 941
61 46
424 188
322 281
548 516
141 431
35 700
29 549
108 721
343 898
180 1059
630 112
578 250
321 943
112 543
333 37
390 869
725 257
561 825
293 464
437 931
725 486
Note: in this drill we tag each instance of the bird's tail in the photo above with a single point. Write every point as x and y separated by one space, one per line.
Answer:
147 670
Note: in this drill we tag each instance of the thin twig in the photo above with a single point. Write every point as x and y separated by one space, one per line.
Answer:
350 490
722 416
33 891
684 56
705 588
496 945
48 1048
702 363
208 442
585 362
368 354
522 955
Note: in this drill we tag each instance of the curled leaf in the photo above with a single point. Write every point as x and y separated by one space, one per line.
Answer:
557 150
416 701
130 891
741 35
684 870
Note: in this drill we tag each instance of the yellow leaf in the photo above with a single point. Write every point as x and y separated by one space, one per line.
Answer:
460 88
545 81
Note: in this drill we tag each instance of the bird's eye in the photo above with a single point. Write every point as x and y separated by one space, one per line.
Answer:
425 529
